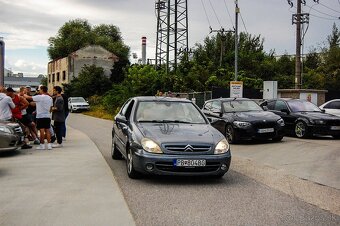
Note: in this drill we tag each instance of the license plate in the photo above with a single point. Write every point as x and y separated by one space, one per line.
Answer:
266 130
189 163
335 127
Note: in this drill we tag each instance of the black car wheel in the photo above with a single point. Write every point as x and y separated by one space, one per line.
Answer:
230 134
132 173
301 130
115 154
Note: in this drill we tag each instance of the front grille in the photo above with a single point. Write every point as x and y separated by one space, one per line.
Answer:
262 125
187 147
169 167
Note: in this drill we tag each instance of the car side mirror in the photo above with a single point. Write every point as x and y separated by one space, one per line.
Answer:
121 119
285 111
265 108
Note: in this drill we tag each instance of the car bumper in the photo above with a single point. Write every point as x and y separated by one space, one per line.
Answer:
9 143
325 130
251 133
163 164
80 108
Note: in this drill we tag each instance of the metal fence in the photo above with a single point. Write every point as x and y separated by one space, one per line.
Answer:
197 97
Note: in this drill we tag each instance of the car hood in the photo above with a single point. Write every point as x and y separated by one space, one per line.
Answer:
250 116
179 132
318 115
80 103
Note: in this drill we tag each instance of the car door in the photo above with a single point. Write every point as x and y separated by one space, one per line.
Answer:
216 116
281 108
122 124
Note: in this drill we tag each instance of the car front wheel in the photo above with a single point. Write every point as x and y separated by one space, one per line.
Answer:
301 130
132 173
230 134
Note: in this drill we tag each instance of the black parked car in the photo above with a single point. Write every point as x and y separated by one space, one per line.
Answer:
303 118
168 136
243 119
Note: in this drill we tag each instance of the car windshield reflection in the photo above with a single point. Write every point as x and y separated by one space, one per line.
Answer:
168 112
241 105
302 106
78 99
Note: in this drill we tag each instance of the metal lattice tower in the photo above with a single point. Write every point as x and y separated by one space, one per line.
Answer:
172 32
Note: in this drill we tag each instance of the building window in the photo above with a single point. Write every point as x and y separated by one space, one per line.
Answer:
49 78
64 75
53 77
58 76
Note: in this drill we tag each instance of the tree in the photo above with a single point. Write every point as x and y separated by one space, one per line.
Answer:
78 33
90 81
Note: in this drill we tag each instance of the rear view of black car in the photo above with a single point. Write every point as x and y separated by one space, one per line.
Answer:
168 136
243 119
304 119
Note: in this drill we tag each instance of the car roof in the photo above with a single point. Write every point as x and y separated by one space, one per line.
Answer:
160 98
230 99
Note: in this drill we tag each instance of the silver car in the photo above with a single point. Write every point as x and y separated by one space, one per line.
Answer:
11 136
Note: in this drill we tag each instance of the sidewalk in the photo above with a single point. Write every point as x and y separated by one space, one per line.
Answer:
66 186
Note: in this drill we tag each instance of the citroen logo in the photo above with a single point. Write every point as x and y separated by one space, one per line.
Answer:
189 148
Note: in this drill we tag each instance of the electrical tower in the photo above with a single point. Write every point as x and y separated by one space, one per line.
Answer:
172 32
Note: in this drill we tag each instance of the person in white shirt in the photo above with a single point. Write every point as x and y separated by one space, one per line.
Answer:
6 104
43 106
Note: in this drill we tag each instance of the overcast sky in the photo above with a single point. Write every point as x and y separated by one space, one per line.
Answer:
27 25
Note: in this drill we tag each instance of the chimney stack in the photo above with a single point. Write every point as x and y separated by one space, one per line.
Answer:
143 50
2 62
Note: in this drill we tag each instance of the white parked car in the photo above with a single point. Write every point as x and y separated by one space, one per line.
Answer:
78 104
332 107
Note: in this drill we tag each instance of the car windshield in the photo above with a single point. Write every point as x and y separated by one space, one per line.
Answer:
301 105
241 105
166 111
78 99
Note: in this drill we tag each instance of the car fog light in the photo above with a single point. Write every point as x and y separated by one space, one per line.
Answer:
223 167
149 167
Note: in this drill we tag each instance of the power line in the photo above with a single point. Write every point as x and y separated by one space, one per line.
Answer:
205 11
232 22
243 23
330 8
322 12
215 13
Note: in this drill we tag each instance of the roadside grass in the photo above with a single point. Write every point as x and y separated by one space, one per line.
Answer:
98 111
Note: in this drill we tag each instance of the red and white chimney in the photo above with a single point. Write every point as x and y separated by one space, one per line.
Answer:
143 50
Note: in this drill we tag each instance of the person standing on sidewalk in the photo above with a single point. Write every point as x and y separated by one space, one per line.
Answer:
43 104
6 104
58 115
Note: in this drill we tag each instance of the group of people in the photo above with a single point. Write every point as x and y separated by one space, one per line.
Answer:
35 114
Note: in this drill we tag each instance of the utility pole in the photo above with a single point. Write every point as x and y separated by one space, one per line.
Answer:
298 19
222 34
237 11
2 62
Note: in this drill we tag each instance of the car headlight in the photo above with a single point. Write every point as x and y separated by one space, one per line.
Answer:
151 146
242 125
5 129
317 121
281 122
221 147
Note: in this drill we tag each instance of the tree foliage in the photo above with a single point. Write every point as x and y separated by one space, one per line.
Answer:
78 33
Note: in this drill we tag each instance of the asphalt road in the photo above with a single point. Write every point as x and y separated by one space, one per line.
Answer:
233 200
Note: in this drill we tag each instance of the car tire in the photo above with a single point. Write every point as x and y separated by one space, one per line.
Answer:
301 129
277 138
115 153
132 173
71 110
230 134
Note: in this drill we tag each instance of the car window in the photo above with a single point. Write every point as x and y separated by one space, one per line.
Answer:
333 105
216 106
302 105
125 107
280 105
241 105
153 111
207 106
78 99
271 105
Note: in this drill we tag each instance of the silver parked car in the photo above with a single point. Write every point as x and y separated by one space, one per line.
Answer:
332 107
78 104
11 136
